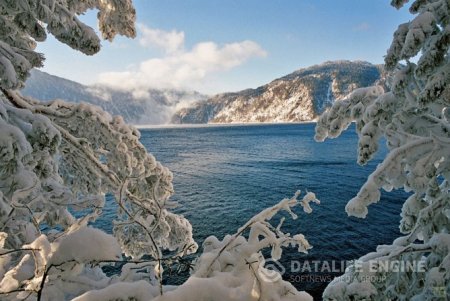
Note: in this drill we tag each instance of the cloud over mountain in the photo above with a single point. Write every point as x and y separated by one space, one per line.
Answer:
179 67
169 41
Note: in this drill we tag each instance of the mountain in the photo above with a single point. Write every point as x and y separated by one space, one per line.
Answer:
157 107
299 96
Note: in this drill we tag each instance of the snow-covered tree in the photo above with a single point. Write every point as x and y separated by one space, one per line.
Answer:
59 158
411 112
25 22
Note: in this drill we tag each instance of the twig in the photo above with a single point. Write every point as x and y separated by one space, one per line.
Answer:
16 291
41 286
18 250
250 266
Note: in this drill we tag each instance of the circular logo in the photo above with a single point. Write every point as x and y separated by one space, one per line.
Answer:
271 270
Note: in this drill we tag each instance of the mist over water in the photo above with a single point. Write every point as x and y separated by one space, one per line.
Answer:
223 175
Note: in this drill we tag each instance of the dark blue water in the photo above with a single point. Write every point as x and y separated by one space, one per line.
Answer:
225 175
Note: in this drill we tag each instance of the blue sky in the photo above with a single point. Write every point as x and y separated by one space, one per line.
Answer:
222 45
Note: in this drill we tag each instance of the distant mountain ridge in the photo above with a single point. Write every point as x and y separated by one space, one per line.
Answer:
300 96
156 108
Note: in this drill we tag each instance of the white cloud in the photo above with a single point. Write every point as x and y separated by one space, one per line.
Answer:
169 41
180 68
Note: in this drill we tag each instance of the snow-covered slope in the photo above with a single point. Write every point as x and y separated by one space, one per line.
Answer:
299 96
155 108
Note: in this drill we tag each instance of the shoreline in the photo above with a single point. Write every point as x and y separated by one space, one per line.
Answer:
203 125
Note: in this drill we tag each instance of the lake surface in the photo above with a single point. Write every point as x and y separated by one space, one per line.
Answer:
223 175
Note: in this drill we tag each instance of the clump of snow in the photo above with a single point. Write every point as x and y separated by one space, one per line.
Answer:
139 291
84 245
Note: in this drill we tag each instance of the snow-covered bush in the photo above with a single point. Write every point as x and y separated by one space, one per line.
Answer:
58 159
412 114
232 269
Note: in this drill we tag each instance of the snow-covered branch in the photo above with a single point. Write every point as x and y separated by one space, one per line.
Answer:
413 119
23 23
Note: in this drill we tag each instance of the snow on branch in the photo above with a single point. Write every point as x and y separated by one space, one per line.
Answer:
234 268
23 23
58 158
412 117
